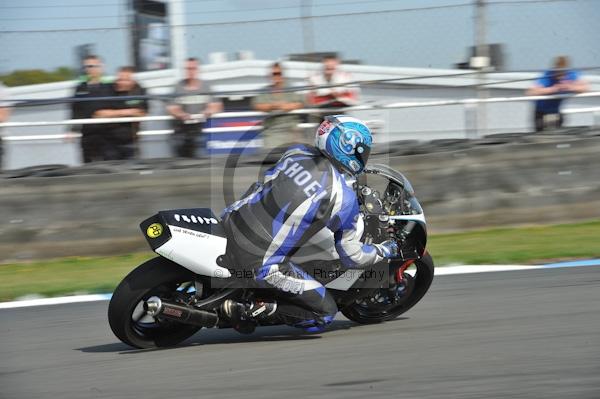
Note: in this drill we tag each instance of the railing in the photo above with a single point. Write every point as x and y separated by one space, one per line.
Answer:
468 103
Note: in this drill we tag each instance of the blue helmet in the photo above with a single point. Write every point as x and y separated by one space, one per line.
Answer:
346 141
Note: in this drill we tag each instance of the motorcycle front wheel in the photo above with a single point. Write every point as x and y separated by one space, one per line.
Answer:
378 308
129 320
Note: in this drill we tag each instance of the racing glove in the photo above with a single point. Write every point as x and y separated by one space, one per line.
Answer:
387 249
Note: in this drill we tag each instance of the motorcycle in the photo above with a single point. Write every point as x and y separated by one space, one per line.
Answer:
169 298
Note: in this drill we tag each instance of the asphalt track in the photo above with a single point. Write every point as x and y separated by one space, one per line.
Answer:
522 334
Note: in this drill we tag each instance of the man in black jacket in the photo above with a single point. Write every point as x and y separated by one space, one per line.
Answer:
92 84
120 138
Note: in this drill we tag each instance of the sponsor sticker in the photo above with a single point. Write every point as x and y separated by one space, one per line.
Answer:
189 232
172 312
325 127
154 230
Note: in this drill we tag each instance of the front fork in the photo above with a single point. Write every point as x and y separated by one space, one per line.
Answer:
399 283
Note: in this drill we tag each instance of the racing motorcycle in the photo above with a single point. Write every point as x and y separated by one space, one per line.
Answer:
170 297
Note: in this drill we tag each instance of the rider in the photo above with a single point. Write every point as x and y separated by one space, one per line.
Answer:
309 189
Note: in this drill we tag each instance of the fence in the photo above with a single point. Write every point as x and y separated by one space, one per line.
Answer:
396 105
221 138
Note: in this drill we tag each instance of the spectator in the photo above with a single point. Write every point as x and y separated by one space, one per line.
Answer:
192 106
93 84
332 97
558 80
4 114
280 127
120 138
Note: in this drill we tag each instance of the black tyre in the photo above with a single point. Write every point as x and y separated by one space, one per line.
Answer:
368 312
127 319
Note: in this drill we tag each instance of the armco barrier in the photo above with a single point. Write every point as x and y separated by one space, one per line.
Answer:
462 184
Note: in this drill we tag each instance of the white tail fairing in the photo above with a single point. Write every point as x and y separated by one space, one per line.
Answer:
195 251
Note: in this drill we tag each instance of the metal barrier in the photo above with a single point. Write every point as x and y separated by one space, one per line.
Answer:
25 149
470 102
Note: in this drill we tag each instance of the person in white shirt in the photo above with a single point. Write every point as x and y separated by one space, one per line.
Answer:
4 113
332 97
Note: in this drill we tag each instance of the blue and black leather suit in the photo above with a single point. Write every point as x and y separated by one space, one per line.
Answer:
301 195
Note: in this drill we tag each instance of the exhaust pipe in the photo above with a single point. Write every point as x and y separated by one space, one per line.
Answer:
157 307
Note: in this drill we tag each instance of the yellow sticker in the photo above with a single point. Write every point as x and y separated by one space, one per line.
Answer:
154 230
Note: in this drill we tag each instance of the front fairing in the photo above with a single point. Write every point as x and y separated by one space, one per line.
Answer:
402 210
395 203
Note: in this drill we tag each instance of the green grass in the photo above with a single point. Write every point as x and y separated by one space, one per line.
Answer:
517 245
66 276
495 246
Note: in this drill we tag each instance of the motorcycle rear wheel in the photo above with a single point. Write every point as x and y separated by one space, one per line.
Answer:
375 313
156 277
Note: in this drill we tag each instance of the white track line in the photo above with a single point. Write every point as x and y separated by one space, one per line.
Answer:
471 269
55 301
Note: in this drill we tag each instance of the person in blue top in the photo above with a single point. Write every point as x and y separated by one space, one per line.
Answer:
558 80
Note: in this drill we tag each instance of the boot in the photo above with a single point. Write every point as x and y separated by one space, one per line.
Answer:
245 317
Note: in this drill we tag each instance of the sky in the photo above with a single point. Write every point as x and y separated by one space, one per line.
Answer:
412 33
